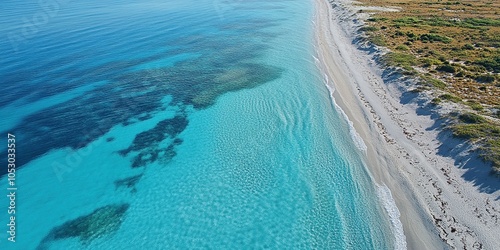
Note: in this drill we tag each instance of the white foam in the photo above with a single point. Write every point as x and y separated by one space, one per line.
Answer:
385 196
358 141
316 60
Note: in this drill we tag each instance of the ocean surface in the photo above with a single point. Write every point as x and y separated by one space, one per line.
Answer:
169 124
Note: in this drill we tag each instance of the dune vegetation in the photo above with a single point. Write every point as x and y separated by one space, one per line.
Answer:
452 47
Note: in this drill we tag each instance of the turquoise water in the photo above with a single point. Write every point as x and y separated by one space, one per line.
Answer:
178 125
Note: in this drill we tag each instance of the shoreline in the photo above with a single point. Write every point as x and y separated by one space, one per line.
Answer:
439 209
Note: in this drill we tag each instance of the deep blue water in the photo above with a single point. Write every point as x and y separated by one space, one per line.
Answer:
177 125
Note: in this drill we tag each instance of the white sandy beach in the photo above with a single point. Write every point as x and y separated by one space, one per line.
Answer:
443 192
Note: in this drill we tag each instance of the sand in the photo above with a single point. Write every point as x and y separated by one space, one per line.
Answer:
444 194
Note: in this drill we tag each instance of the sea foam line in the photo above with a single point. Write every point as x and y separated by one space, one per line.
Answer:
358 141
385 196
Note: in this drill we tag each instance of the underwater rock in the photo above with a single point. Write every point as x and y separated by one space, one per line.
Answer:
128 182
100 222
245 76
146 143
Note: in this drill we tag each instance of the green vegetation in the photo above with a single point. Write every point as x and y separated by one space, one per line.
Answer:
431 81
478 131
434 34
368 28
408 21
469 23
474 22
453 46
450 98
378 40
475 106
485 78
402 47
436 101
427 62
468 46
434 38
473 131
403 60
376 19
471 118
476 128
446 68
492 154
490 64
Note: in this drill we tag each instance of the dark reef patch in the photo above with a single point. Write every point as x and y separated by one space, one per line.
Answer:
100 222
171 127
128 182
177 141
147 143
245 76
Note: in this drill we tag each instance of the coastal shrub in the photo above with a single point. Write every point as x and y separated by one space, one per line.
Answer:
492 154
427 62
408 70
431 81
378 40
436 101
399 33
441 22
376 19
468 131
402 47
468 46
470 23
490 148
408 21
476 69
410 34
458 53
400 59
368 29
413 39
475 105
490 64
488 78
450 97
434 31
446 68
437 83
471 118
482 22
443 59
434 38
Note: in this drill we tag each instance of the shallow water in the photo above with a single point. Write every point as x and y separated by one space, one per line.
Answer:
178 124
